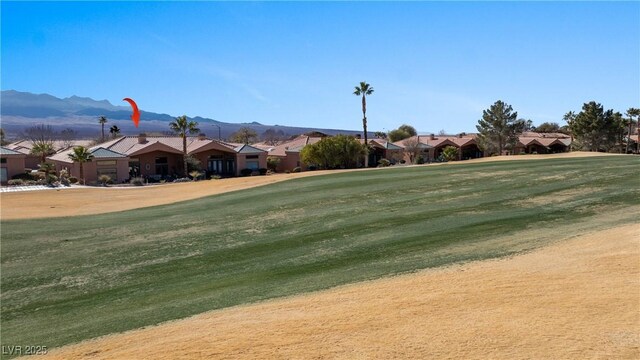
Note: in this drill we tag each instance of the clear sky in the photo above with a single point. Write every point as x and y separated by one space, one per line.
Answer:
434 65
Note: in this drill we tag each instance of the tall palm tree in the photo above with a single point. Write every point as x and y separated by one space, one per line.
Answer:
115 131
43 149
182 126
81 155
364 89
102 120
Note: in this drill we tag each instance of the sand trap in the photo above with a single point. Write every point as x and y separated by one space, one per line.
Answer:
86 201
576 299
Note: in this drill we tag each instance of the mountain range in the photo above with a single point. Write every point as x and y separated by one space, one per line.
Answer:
20 110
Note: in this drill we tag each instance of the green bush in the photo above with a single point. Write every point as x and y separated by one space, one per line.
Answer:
450 153
384 163
245 172
73 179
420 160
263 171
296 169
15 182
137 181
272 162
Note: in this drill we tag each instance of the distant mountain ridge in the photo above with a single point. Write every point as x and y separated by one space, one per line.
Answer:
20 110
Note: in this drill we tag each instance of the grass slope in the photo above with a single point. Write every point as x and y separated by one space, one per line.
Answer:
68 279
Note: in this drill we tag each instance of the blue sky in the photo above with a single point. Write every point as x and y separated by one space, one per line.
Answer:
434 65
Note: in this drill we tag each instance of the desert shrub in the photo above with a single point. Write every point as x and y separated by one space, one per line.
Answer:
287 172
273 162
195 174
263 171
73 179
104 180
137 181
64 177
31 182
384 163
180 180
245 172
216 177
402 161
296 169
15 182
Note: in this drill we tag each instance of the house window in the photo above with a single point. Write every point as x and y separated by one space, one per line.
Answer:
3 174
3 160
162 166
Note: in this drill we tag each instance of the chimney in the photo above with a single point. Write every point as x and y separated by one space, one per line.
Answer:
432 136
202 136
142 138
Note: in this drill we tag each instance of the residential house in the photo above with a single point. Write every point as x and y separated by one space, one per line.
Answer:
289 151
33 161
542 143
161 156
431 146
104 162
382 149
11 163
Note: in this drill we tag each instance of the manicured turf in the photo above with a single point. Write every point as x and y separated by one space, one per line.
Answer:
68 279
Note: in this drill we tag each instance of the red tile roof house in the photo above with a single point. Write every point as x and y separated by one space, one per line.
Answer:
11 164
432 145
104 162
289 152
161 156
542 143
33 161
382 149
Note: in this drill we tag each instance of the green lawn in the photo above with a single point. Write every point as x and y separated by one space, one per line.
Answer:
68 279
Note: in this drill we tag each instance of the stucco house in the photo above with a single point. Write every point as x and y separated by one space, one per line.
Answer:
11 163
104 162
33 161
289 151
382 149
431 146
161 156
542 143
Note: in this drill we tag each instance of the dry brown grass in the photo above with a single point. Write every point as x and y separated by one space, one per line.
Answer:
577 299
87 201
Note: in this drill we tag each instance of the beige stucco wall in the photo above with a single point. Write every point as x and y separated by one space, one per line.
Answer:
15 165
148 163
241 161
90 169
